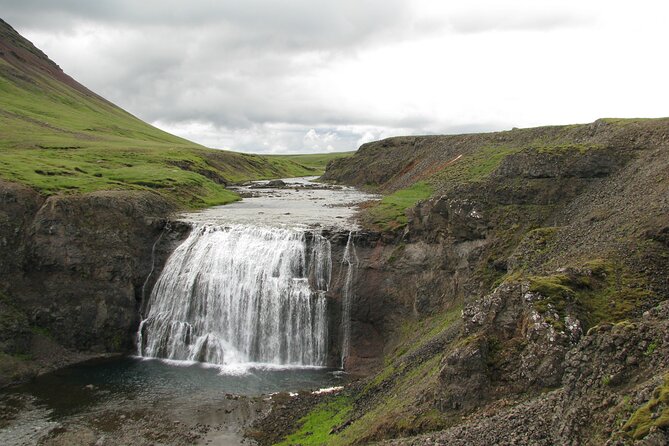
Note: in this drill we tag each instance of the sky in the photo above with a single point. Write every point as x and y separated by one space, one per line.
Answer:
300 76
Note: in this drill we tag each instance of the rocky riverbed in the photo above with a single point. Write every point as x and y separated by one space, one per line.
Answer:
121 401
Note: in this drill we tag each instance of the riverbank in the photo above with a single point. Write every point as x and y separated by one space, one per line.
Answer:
45 357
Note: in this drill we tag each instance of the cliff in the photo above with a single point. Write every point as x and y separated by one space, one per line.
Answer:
511 289
73 270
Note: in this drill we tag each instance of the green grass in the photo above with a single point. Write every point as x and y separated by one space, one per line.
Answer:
391 398
650 349
478 166
397 411
409 372
390 212
56 139
316 161
471 168
414 334
316 427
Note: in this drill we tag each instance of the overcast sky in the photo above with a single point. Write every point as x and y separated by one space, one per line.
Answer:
289 76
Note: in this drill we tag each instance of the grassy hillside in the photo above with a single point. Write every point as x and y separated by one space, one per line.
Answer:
57 136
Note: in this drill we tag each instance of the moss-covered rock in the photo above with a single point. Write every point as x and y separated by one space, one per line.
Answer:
651 416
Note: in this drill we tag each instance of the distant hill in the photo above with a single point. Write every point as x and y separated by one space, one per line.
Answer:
412 168
58 136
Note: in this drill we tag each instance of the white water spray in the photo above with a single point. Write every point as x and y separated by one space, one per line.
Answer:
241 294
350 260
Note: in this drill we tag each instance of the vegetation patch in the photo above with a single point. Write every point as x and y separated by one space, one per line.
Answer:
471 168
390 403
415 334
397 253
515 243
652 415
390 212
41 331
463 172
317 427
56 139
157 168
384 375
393 399
479 165
650 349
597 292
532 249
397 410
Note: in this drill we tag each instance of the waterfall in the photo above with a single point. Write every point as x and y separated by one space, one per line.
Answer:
242 294
350 260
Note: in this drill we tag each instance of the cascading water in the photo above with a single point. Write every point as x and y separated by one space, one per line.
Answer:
242 294
153 262
350 260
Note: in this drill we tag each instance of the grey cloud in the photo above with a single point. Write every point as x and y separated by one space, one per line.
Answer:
291 24
174 79
234 66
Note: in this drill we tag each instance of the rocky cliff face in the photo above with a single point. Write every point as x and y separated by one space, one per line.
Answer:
608 383
398 162
73 268
525 302
537 210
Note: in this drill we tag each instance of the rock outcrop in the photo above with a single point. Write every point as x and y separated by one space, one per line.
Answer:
73 268
525 301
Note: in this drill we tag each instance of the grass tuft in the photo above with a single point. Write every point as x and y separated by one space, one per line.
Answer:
599 291
390 212
316 428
